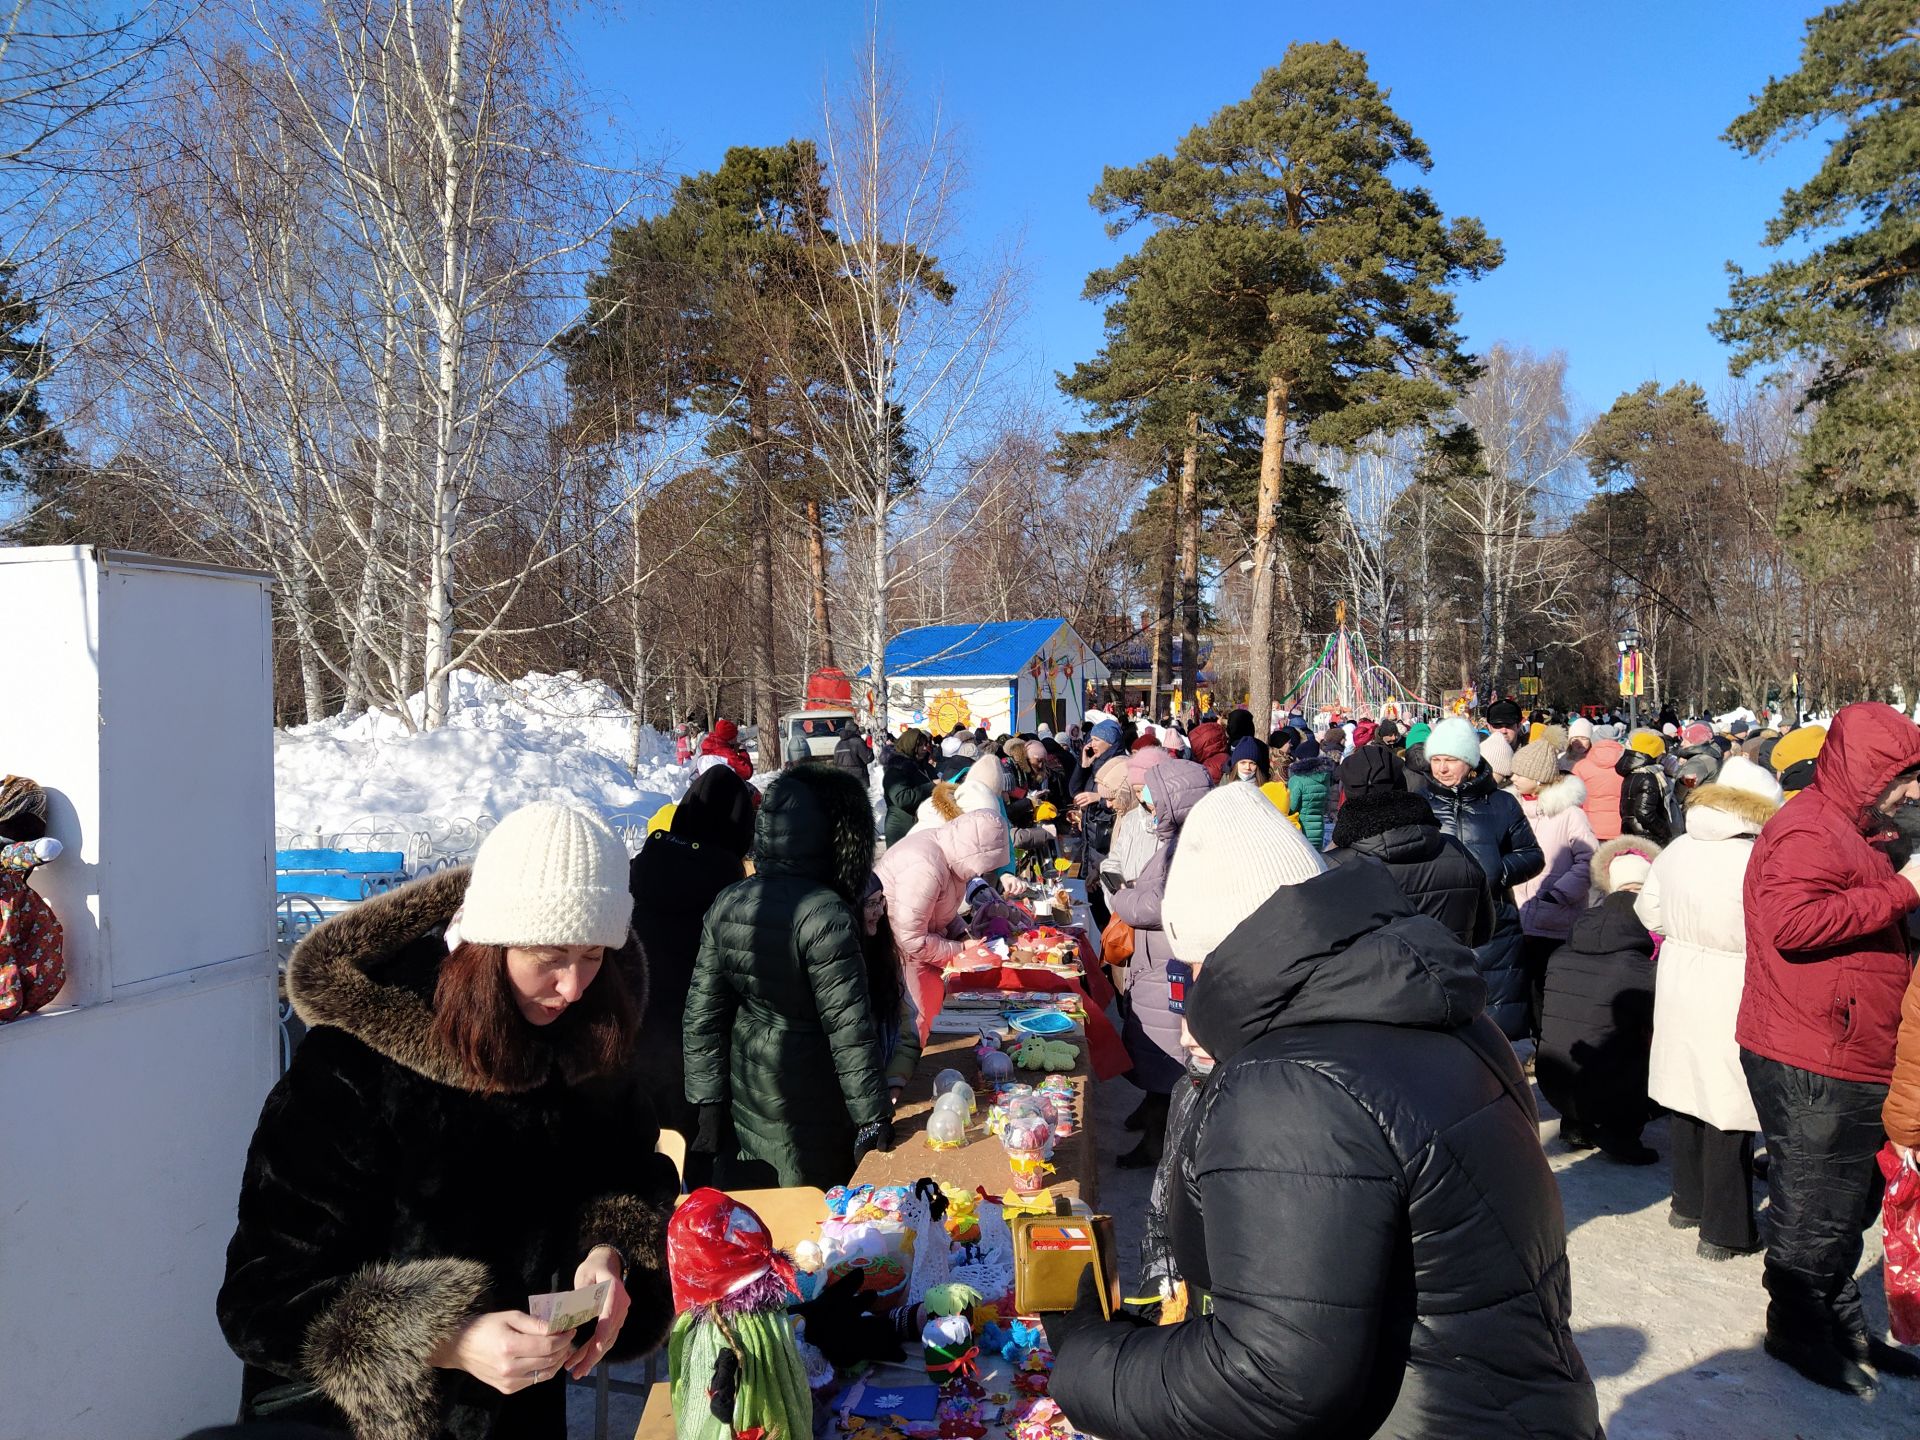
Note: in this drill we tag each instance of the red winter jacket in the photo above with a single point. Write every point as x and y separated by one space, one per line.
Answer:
1596 772
1826 954
724 740
1209 745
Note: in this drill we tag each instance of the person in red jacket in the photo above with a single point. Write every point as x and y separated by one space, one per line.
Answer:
1826 969
724 741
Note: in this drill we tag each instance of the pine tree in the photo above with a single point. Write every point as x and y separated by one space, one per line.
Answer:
1326 281
1850 303
34 456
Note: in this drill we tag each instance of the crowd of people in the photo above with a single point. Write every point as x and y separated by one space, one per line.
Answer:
1339 952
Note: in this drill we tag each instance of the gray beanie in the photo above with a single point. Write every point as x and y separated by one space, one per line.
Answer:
1234 851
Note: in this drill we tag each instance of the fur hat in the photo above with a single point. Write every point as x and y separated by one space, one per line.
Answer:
1454 736
1235 850
1538 762
549 874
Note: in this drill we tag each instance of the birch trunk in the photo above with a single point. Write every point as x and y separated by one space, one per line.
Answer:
1260 631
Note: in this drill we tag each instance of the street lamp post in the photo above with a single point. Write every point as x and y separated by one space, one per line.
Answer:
1630 673
1799 649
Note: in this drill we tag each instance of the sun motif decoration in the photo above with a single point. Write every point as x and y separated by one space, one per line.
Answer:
948 709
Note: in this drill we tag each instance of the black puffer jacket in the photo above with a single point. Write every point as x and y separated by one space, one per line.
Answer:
1493 827
907 783
1362 1194
778 1025
1435 871
1643 797
674 883
388 1199
1596 1022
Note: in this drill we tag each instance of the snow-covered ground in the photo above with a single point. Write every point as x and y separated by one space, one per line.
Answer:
542 737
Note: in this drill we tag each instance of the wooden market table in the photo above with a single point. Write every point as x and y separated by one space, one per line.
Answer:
981 1161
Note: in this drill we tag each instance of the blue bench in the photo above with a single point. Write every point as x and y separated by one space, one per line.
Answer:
338 874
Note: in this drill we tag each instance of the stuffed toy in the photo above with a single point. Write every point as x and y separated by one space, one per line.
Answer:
732 1360
947 1337
1035 1053
33 958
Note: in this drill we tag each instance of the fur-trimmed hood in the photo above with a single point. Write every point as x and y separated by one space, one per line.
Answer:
1555 799
1750 809
1603 858
817 823
367 972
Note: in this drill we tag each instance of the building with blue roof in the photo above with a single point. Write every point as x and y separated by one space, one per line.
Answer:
1007 677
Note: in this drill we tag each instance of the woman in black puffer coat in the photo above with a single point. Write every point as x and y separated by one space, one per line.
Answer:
1493 827
1644 805
1385 821
675 879
1361 1196
1596 1019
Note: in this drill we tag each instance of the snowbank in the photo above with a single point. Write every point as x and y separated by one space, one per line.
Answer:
543 737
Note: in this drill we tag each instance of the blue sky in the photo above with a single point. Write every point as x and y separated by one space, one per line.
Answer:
1585 133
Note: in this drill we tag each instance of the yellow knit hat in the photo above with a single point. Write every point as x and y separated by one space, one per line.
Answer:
1802 743
1648 742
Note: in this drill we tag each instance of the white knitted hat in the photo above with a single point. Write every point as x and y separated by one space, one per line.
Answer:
1580 728
548 875
1454 736
1234 851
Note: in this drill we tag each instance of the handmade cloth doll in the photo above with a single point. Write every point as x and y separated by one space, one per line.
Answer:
33 961
947 1337
732 1360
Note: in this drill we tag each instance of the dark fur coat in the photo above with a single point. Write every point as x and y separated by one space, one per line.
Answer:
387 1201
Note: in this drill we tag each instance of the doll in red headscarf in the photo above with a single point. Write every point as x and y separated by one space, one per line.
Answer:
732 1359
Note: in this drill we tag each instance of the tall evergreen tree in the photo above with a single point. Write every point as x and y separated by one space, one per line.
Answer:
1335 276
699 309
33 452
1851 302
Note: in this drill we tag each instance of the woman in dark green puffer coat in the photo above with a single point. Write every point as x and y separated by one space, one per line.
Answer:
782 1054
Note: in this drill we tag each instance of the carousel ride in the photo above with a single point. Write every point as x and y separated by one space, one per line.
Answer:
1345 681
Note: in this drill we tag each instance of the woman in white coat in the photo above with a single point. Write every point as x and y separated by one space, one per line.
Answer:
1694 898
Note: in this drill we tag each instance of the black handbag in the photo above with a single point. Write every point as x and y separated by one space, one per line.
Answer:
1096 824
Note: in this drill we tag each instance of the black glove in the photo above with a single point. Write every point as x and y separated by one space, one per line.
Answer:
709 1130
841 1325
1085 1315
875 1135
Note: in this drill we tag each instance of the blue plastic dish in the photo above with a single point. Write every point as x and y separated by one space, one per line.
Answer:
1042 1022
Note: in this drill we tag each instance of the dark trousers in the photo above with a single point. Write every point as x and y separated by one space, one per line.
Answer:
1713 1181
1823 1191
1535 952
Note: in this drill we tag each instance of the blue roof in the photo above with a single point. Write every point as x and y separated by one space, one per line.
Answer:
992 651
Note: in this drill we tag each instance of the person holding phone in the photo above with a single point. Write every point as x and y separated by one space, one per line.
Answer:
457 1132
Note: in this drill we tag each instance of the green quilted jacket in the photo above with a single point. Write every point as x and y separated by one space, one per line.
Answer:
778 1024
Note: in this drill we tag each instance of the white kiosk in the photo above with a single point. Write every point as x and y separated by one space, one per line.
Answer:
140 696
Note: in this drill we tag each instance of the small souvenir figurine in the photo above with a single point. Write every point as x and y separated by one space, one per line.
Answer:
947 1337
33 957
732 1359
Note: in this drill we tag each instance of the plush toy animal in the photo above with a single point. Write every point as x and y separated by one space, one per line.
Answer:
1035 1053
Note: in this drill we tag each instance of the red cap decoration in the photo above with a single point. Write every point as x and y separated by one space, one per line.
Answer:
716 1248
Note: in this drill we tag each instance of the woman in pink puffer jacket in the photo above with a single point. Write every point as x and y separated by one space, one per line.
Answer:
925 879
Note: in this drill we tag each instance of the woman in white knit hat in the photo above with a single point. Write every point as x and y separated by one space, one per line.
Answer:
438 1151
1359 1205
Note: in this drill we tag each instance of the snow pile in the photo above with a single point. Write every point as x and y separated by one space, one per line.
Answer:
504 745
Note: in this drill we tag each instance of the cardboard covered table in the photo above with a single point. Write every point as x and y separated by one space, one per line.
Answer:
981 1162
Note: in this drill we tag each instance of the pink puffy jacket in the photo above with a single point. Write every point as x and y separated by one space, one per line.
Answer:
925 878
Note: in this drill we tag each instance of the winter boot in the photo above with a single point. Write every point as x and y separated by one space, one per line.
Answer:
1888 1359
1682 1222
1707 1250
1628 1150
1821 1363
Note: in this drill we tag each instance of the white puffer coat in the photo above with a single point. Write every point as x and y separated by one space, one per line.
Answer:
1694 899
